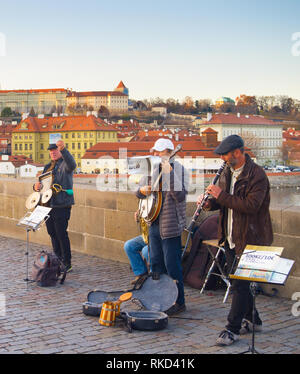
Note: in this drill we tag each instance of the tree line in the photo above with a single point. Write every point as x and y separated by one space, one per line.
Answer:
244 104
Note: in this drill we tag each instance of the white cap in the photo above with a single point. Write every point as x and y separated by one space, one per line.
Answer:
162 144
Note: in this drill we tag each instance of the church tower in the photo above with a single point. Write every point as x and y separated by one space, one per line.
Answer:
122 88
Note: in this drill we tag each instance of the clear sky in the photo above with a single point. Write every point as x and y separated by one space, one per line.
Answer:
159 48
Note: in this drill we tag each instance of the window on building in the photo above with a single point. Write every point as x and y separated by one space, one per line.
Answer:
67 136
26 146
78 145
42 146
30 146
16 147
73 145
20 147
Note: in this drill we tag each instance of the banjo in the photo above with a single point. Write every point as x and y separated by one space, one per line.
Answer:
150 206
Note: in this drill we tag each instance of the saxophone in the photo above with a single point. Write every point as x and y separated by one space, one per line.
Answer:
144 229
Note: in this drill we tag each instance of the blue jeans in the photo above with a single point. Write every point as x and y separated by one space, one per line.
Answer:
134 248
165 257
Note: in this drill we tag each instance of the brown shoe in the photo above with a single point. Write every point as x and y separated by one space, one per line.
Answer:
138 278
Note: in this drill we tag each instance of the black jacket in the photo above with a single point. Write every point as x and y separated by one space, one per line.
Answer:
63 175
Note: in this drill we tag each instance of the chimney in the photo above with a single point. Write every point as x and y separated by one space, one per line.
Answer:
209 116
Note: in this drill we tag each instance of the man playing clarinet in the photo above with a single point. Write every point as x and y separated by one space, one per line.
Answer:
243 198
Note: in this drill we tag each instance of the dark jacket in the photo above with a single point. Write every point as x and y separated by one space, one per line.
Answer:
63 175
250 204
172 217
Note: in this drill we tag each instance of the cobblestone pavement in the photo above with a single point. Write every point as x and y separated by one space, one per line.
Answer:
50 320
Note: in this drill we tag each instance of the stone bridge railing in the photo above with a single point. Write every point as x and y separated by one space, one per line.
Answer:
101 222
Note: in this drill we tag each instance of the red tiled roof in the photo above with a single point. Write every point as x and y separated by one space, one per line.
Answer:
209 130
242 120
190 148
18 160
66 123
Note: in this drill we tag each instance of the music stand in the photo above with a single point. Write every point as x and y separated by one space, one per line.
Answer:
33 221
261 264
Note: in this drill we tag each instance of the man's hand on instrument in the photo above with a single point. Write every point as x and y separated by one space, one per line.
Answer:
166 168
60 145
146 190
214 190
206 204
37 186
136 216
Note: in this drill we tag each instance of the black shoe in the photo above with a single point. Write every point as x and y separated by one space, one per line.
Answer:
175 309
68 268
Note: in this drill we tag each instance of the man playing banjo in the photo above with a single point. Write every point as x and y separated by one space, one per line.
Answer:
61 166
166 229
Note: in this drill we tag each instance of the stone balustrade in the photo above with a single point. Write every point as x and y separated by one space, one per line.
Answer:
101 222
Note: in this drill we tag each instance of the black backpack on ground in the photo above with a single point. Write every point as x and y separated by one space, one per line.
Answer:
198 261
47 268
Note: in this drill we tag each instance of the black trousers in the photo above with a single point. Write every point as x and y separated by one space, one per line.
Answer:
57 225
242 299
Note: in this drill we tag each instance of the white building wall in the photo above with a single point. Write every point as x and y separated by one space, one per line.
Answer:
7 168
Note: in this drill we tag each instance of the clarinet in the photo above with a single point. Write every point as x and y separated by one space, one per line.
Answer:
205 197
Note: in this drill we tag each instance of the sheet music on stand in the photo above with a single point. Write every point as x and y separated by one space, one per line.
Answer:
33 220
264 265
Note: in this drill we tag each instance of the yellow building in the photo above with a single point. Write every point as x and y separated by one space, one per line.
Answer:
32 135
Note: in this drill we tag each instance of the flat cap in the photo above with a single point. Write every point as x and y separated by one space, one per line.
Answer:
229 144
52 146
